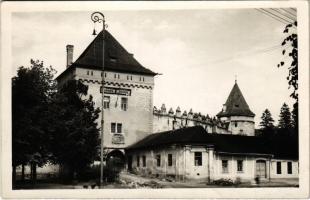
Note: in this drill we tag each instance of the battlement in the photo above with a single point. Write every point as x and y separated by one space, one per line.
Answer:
174 119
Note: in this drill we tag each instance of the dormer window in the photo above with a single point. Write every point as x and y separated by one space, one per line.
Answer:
224 108
237 105
113 59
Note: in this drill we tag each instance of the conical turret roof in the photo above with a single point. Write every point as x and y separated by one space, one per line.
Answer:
236 105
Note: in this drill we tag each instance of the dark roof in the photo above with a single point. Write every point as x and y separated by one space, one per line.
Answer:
116 57
223 143
236 104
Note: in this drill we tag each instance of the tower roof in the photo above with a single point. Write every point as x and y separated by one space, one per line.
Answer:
236 105
116 57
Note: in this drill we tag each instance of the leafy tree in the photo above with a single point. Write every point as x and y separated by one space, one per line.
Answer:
290 44
291 49
285 120
32 90
267 123
75 136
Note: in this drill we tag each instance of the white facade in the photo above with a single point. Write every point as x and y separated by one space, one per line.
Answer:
212 166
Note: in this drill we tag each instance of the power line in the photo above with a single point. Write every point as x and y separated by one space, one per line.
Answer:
260 51
276 16
280 12
294 15
271 16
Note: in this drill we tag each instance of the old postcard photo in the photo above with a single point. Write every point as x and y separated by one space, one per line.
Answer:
155 99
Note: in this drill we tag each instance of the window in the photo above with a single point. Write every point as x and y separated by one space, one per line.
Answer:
138 161
116 127
289 167
100 89
144 161
240 165
114 75
225 166
124 102
131 78
143 79
87 72
119 128
113 127
118 76
198 158
236 124
127 77
158 160
279 168
113 59
105 75
169 159
106 102
91 73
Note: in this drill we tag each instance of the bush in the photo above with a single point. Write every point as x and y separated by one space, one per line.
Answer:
223 182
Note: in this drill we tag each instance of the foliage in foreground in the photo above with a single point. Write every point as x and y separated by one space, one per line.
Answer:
49 125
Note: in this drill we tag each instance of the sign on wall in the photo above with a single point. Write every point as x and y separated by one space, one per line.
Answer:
117 91
118 139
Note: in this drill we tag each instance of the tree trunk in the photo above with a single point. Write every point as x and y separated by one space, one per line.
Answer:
34 172
14 174
31 171
23 172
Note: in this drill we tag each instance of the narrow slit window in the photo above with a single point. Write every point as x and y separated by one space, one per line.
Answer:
225 166
198 158
169 160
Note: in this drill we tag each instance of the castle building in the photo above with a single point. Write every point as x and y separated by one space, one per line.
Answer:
157 142
235 118
128 91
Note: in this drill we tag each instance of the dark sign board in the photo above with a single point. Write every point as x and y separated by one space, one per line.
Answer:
117 91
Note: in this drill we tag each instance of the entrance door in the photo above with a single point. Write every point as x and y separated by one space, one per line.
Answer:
129 161
261 168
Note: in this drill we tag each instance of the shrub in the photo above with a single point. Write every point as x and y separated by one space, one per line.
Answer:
223 182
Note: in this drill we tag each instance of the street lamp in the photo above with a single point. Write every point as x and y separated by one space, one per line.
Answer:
99 17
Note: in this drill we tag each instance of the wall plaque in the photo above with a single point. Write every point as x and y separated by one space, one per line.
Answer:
117 91
118 139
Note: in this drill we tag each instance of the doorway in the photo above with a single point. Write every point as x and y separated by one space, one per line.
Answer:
129 162
261 169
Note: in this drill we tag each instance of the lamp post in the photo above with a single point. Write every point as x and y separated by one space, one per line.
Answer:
99 17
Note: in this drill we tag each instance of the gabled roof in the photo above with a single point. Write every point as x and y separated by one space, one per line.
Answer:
116 57
223 143
236 105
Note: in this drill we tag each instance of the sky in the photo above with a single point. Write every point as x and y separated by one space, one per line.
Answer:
198 52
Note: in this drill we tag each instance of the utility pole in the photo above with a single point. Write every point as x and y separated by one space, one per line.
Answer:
99 17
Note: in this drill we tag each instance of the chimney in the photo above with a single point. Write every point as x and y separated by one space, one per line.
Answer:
69 54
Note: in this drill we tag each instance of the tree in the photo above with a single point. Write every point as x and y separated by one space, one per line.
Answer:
291 49
285 120
75 136
267 123
290 44
32 90
267 120
295 117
